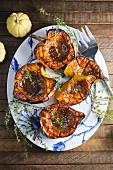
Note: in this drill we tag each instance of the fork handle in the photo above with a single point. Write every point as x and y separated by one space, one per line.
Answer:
106 83
37 37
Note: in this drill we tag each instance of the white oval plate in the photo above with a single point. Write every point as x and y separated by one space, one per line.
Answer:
28 121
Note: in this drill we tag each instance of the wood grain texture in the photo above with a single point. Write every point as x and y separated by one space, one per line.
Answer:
98 30
70 17
58 167
93 144
53 6
57 158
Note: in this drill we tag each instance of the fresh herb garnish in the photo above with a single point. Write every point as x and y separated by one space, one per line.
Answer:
53 117
7 117
77 87
61 23
29 77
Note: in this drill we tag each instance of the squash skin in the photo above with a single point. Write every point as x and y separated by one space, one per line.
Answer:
18 24
83 66
2 51
46 51
40 92
67 117
75 90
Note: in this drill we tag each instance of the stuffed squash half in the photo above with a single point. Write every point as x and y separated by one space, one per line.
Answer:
59 120
32 84
56 51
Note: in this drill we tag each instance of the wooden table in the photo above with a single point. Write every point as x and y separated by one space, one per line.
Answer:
97 152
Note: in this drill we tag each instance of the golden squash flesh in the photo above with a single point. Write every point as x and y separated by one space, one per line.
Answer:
83 66
75 90
32 84
59 120
56 51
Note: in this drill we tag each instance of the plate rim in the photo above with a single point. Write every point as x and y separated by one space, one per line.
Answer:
97 126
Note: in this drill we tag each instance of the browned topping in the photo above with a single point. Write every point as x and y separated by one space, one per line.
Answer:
59 120
36 87
57 51
31 85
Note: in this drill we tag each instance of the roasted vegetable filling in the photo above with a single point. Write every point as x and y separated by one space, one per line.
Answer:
56 51
60 51
83 66
59 120
63 118
33 84
75 90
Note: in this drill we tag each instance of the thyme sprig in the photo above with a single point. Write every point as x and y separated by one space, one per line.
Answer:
59 22
18 107
16 130
21 137
43 144
98 102
57 119
55 18
59 84
50 110
29 77
7 117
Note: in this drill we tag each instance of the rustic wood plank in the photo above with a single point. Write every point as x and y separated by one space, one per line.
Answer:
4 66
3 104
89 6
110 67
88 17
58 158
99 30
58 167
53 5
107 122
7 133
3 80
107 54
110 105
34 6
88 0
70 17
3 95
94 145
34 18
2 122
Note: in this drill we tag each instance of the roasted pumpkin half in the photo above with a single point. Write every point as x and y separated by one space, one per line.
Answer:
75 90
32 84
83 66
59 120
56 51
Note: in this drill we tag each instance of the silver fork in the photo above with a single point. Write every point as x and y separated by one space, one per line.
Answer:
88 47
